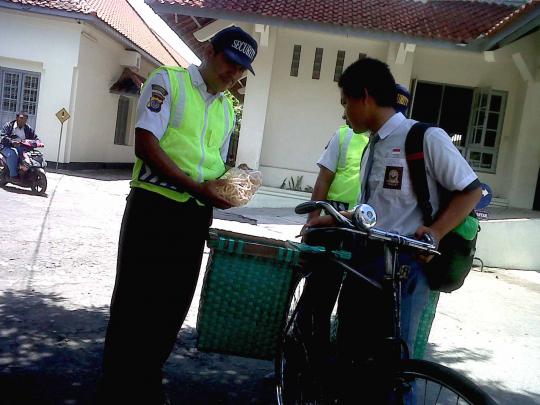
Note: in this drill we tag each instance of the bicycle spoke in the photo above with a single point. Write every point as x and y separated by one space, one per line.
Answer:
438 394
425 391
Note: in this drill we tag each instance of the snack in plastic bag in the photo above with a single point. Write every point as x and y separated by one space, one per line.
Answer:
241 184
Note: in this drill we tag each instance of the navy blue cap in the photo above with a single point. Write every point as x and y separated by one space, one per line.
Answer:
403 98
237 44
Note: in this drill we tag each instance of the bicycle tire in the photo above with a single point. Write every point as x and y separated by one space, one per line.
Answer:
434 384
467 391
283 382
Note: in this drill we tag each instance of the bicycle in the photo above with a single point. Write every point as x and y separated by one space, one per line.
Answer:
431 383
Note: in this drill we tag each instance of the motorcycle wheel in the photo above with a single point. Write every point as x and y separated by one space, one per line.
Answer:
39 183
3 174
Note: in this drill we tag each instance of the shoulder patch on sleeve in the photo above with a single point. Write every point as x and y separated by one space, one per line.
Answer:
156 88
155 103
157 98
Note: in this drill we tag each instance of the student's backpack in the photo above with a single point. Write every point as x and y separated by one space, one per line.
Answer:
446 272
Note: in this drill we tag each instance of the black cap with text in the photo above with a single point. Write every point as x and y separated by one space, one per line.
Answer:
237 44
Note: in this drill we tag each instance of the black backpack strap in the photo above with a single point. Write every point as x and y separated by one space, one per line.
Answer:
414 152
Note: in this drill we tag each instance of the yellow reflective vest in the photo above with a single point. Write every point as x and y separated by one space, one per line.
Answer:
346 184
193 138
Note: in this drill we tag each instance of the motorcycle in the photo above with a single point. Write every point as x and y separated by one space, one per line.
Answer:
31 167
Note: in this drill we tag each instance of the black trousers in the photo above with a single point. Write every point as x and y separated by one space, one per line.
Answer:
313 321
159 257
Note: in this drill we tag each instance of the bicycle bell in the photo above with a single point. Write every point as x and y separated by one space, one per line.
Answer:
364 216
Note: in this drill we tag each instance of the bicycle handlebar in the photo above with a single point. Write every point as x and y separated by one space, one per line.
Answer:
366 230
309 206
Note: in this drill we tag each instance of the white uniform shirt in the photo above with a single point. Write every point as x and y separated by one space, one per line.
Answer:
157 122
330 157
18 132
391 192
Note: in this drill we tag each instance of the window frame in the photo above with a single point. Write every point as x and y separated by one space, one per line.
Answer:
123 139
317 63
479 147
295 60
471 147
340 64
6 115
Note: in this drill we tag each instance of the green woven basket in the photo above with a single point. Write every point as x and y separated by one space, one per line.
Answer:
245 295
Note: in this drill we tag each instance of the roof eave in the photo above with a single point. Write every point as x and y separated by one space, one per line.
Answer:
161 8
103 26
90 18
43 10
513 32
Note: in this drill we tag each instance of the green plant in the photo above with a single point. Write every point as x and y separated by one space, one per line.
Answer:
289 183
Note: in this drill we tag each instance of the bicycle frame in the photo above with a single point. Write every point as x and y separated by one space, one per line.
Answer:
388 364
391 290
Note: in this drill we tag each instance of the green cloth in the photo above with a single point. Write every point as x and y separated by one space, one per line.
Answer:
468 228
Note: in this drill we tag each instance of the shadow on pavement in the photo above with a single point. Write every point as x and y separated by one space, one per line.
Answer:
496 389
50 354
20 190
102 174
195 377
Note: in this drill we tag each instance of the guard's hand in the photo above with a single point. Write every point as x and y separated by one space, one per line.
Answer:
420 232
209 194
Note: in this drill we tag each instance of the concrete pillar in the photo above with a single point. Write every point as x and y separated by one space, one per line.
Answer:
527 152
400 59
256 103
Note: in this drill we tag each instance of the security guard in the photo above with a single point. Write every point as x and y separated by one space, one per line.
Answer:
184 122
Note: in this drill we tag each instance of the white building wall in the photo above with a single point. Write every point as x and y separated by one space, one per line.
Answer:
49 46
471 69
302 112
256 102
95 108
526 146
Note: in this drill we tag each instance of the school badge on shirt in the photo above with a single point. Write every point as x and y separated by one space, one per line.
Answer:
393 177
157 98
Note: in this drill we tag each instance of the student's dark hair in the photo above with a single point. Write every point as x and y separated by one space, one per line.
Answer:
371 75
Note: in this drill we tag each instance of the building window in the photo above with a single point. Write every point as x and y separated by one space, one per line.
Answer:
472 117
296 60
317 63
30 94
485 129
19 91
340 60
121 134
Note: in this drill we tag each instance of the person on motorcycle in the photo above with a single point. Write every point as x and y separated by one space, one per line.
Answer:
12 133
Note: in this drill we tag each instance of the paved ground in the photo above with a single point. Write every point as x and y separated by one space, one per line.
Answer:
57 261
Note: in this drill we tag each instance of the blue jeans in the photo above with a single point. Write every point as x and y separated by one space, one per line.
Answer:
365 319
12 158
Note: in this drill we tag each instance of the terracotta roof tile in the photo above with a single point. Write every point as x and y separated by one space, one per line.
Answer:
120 16
78 6
459 21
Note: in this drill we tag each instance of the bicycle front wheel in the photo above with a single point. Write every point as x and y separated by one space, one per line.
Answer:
433 384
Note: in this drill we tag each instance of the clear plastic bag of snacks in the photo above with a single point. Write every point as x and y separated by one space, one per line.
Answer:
241 184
